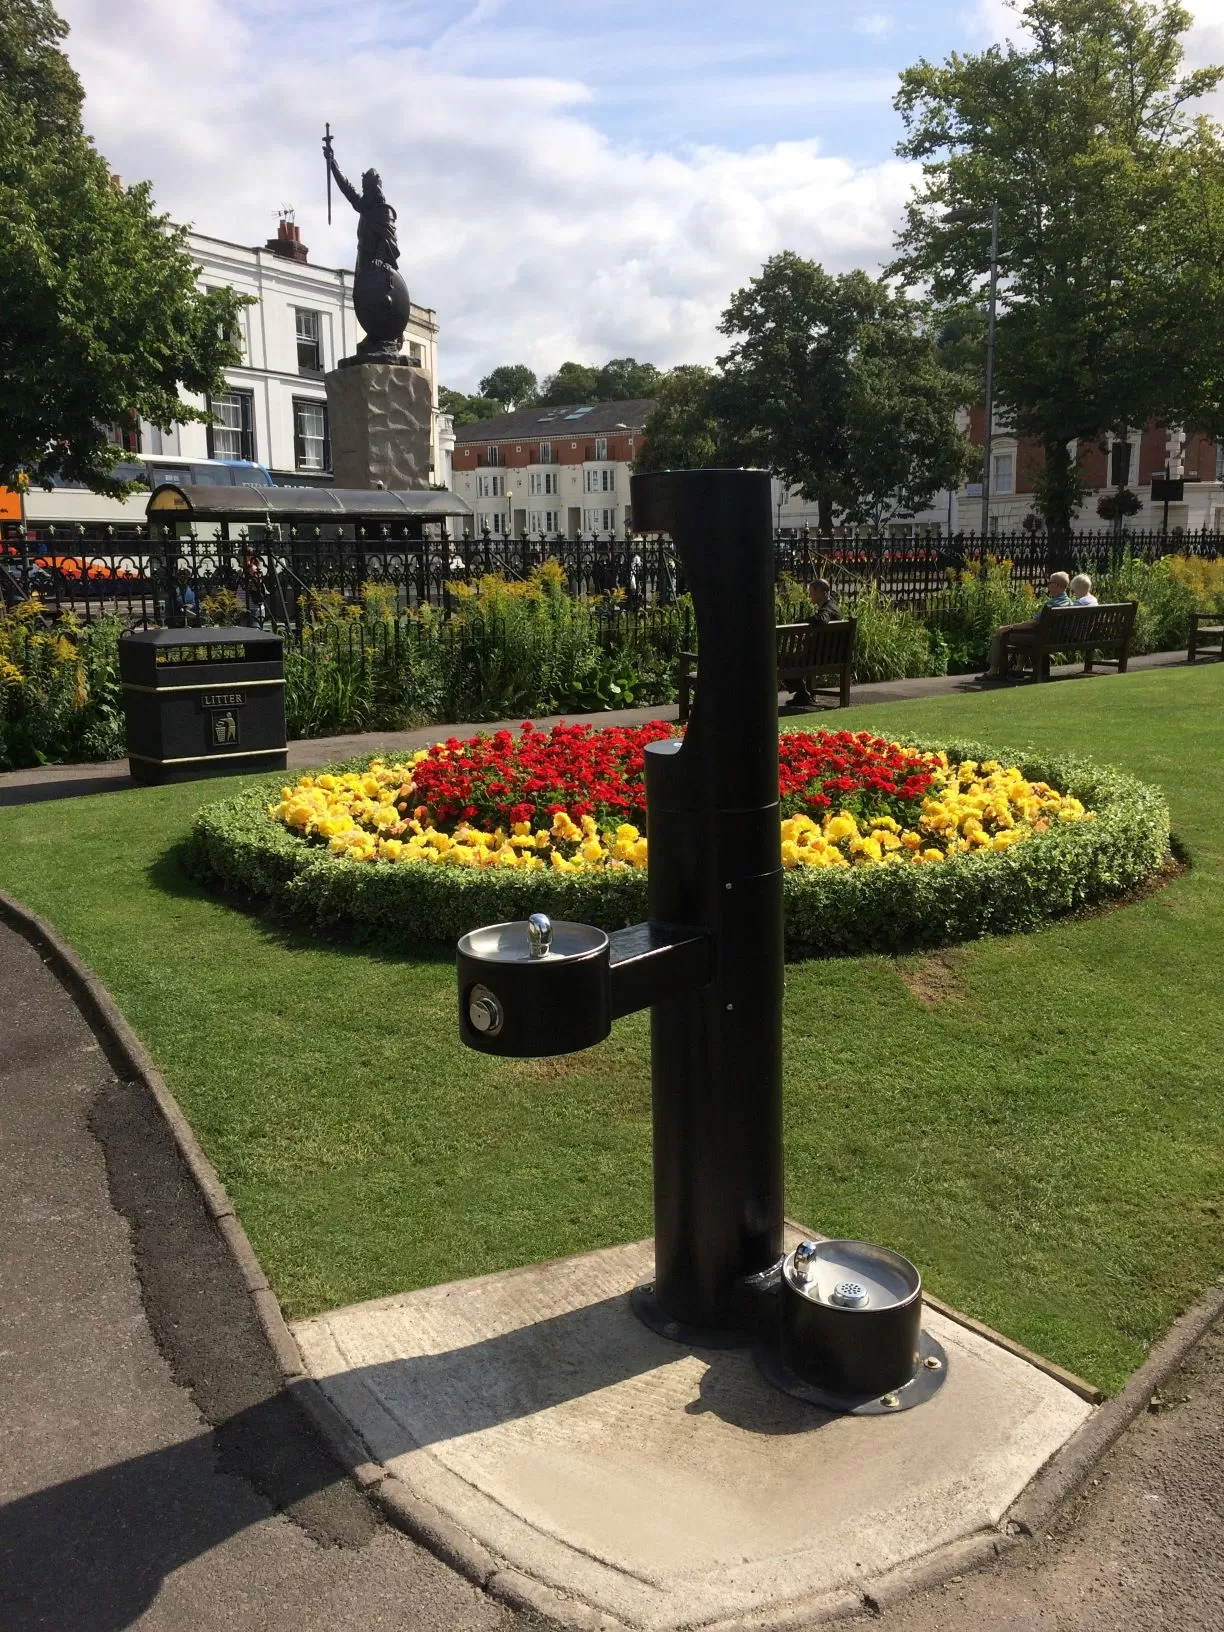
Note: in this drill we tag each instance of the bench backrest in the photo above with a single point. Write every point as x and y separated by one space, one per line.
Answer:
807 645
1077 625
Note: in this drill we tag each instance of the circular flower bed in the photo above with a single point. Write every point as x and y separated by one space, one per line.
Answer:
884 844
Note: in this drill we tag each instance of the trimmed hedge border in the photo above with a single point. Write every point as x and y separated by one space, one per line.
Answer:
1070 866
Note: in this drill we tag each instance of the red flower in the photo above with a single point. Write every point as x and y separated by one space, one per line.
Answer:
495 781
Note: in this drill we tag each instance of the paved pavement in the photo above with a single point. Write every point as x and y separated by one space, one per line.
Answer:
151 1473
44 782
1142 1549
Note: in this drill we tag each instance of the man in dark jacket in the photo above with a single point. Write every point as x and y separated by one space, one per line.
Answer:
827 611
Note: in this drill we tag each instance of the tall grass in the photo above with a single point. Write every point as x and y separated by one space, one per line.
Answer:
977 601
529 648
1168 591
508 648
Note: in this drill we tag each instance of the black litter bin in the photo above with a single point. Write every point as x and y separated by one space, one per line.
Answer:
203 702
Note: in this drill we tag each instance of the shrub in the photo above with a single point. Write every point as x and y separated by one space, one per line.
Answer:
977 601
60 697
531 647
1167 590
890 644
508 648
861 909
1122 502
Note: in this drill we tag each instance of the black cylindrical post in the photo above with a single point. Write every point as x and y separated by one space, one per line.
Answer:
715 863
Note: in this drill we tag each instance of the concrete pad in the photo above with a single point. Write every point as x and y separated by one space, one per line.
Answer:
661 1486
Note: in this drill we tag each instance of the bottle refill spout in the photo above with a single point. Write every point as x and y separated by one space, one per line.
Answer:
708 963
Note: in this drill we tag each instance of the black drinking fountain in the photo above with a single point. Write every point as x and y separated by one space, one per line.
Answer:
837 1323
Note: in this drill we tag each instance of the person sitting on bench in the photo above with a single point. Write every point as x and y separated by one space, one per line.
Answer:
1081 590
1020 634
827 611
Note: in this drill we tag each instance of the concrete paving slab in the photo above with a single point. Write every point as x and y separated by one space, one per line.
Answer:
659 1485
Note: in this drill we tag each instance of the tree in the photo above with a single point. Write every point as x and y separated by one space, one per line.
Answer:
572 383
624 379
1111 205
512 384
836 385
100 317
620 380
468 410
686 429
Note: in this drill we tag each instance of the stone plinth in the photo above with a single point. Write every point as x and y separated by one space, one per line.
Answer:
651 1486
380 417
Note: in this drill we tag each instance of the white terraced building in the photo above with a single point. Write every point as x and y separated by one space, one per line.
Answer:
273 412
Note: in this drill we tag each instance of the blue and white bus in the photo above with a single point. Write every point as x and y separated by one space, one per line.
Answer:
71 504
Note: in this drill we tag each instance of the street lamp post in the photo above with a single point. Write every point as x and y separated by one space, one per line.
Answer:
990 358
964 214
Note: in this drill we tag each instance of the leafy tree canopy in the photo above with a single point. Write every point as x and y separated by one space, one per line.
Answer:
468 410
624 378
100 317
686 430
512 384
1111 203
573 382
620 380
836 384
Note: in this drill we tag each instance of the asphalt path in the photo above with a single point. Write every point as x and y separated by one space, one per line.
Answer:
152 1472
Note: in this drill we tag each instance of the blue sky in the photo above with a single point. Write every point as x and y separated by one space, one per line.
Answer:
575 178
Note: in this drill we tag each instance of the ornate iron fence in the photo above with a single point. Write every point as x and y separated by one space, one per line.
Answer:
104 571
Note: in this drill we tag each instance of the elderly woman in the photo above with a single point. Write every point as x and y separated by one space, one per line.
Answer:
1081 590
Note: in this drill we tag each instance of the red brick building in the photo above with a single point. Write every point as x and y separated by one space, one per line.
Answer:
1016 462
551 470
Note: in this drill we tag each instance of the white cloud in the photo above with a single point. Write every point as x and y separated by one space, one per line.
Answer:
534 235
874 23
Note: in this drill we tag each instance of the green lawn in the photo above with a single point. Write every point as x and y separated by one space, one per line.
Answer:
1037 1121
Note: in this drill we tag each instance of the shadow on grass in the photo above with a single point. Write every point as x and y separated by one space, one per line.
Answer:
175 874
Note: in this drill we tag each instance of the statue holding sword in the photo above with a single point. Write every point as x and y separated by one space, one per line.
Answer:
380 295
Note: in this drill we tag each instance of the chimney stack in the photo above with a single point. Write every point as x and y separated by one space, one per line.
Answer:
288 241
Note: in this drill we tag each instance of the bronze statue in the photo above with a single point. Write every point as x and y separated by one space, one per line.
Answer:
380 295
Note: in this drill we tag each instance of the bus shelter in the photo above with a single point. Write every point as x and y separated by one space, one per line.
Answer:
270 545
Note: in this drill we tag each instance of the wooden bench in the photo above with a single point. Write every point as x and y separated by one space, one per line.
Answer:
805 651
1206 633
1092 630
